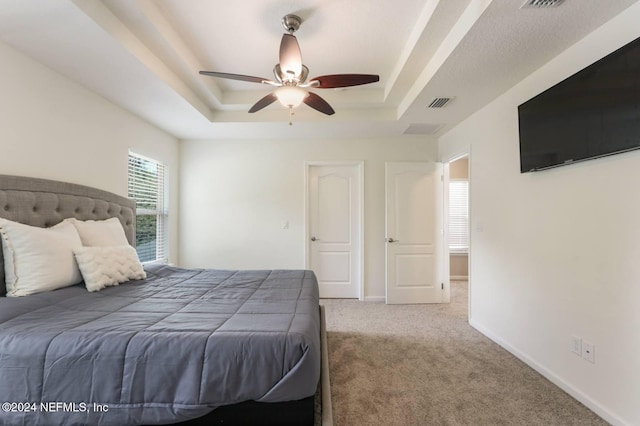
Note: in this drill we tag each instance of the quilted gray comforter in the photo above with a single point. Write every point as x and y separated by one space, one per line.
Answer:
161 350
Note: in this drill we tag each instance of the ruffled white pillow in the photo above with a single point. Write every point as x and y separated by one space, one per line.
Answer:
107 266
93 233
39 259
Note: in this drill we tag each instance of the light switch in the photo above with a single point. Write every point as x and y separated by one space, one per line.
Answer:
576 345
285 224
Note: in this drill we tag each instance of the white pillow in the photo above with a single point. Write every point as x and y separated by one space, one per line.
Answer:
39 259
93 233
106 266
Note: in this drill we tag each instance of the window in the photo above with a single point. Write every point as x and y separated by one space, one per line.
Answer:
147 185
459 216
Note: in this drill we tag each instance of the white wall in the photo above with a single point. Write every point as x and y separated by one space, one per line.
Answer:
556 253
53 128
235 194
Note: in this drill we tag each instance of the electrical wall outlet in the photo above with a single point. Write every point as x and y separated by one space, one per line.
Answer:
576 345
588 351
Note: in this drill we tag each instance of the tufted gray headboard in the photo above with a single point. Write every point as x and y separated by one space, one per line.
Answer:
44 203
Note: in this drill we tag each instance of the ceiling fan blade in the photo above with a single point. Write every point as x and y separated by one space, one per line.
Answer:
290 56
343 80
264 102
319 104
240 77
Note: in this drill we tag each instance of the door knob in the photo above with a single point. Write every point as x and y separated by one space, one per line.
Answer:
313 238
391 240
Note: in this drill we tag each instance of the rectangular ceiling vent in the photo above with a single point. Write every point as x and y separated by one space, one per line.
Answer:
540 4
439 102
423 129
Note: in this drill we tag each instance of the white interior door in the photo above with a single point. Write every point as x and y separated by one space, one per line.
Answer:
414 232
335 228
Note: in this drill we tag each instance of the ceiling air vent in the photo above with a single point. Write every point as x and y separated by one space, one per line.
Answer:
423 129
439 102
539 4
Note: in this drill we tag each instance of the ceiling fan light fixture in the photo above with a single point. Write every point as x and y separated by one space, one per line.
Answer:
290 96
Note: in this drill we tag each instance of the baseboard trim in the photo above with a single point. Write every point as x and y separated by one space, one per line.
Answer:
459 278
374 298
553 378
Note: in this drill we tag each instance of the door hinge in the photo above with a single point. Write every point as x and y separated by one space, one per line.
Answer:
441 286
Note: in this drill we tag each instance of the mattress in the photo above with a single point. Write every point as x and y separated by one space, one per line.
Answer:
169 348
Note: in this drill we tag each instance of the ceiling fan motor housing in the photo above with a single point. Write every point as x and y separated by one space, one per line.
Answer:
282 78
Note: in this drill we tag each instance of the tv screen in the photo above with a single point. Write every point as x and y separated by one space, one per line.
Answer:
593 113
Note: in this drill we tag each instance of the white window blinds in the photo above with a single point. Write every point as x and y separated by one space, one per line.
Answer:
147 185
459 216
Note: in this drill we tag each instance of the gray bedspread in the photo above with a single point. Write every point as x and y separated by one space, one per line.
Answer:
161 350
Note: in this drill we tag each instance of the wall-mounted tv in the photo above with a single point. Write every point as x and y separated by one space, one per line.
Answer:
593 113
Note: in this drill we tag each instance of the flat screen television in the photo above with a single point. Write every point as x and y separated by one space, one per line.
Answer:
593 113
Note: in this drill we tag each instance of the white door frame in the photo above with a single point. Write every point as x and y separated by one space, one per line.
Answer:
446 254
307 235
466 152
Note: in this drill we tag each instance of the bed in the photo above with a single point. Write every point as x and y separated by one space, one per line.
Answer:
183 345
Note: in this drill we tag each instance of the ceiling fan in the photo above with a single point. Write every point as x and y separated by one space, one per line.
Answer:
291 77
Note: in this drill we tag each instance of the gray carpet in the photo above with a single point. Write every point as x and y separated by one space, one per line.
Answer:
424 365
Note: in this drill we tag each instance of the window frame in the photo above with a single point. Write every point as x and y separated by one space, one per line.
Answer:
157 196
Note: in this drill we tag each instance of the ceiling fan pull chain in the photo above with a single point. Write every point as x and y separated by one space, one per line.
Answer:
290 116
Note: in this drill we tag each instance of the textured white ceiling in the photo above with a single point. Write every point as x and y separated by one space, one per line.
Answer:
144 55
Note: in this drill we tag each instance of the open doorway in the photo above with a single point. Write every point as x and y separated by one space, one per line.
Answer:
457 228
459 219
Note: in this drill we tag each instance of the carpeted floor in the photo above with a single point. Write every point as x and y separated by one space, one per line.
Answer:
425 365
